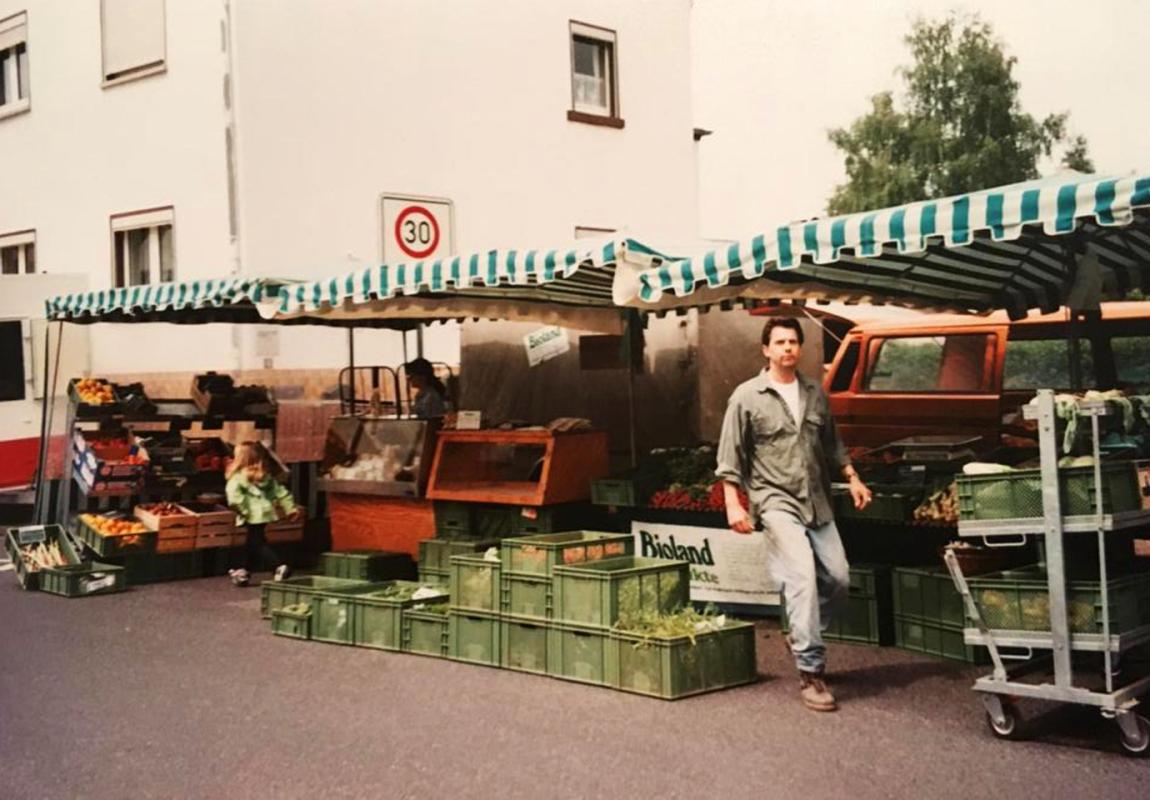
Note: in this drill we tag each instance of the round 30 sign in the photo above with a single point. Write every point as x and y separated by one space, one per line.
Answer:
417 231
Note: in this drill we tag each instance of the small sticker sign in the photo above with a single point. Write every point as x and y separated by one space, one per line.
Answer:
545 344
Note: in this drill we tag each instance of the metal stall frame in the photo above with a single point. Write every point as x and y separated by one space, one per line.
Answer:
1004 685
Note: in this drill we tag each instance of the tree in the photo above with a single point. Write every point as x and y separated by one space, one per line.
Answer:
963 127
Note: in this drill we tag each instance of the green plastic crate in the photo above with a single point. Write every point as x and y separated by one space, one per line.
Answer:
15 538
540 554
111 546
1019 600
176 566
532 520
277 594
883 507
434 576
366 565
581 654
1018 494
524 644
474 637
425 633
936 639
435 554
527 596
334 615
623 491
376 619
600 593
475 583
927 593
83 580
293 624
452 519
678 667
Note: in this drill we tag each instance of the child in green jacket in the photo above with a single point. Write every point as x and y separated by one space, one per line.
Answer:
257 498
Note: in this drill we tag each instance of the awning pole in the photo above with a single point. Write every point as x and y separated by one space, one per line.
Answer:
351 369
630 355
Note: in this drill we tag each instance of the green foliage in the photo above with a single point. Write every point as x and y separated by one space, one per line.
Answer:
684 622
962 129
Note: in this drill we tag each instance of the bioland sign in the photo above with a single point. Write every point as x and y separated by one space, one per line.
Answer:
726 567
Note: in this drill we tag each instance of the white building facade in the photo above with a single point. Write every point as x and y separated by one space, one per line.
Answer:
159 140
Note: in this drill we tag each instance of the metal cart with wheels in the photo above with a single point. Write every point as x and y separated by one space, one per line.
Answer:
1051 676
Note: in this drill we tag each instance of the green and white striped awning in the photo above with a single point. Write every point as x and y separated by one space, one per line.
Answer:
1007 247
218 300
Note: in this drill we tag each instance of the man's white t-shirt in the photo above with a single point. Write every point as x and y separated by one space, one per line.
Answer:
790 394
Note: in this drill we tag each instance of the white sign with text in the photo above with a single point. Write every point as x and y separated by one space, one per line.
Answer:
726 567
546 343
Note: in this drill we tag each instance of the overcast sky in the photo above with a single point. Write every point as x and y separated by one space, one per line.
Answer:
773 76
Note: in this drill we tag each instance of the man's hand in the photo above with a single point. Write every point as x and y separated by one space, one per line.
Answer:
859 493
738 519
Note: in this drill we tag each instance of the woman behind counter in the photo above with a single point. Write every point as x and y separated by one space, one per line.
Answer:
430 393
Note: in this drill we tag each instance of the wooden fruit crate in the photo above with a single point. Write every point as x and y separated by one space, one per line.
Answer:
168 526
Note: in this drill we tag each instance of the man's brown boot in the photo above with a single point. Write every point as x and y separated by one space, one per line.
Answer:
814 692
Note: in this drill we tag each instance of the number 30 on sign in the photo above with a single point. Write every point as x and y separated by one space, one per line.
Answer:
416 228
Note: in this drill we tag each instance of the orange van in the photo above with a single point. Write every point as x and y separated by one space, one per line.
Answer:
969 376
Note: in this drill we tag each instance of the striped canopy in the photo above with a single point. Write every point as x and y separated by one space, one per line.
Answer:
999 248
572 286
221 299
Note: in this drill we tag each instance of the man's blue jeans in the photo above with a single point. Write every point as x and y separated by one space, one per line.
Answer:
812 567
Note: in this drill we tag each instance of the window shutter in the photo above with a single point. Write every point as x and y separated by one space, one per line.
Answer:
133 35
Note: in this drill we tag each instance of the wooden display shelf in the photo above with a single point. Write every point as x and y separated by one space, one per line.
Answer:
523 467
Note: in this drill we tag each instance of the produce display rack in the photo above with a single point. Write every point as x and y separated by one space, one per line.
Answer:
72 496
1031 677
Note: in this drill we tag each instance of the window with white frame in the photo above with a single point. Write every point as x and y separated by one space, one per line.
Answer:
132 39
594 82
18 253
14 96
143 248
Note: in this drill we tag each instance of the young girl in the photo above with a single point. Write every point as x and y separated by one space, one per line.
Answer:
257 498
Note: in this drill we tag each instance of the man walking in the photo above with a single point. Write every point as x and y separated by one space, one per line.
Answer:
780 444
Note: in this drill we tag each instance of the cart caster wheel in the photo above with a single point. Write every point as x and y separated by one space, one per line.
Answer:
1135 735
1009 726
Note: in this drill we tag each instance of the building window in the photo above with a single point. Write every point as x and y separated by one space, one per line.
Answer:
594 76
14 96
12 378
18 253
132 39
143 248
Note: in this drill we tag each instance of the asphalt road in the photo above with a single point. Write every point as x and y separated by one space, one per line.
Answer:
180 691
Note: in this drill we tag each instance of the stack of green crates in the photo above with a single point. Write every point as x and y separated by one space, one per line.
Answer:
527 597
929 616
865 614
474 615
76 578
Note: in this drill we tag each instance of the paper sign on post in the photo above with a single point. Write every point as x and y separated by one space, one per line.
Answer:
545 343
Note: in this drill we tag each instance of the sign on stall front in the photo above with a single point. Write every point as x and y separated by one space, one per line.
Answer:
545 343
726 567
416 228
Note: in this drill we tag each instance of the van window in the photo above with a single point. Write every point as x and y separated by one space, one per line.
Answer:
1045 364
850 362
11 361
1132 361
929 364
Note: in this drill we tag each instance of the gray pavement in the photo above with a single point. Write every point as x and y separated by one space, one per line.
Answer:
180 691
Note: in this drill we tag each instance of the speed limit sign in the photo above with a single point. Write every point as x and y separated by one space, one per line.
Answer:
416 228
